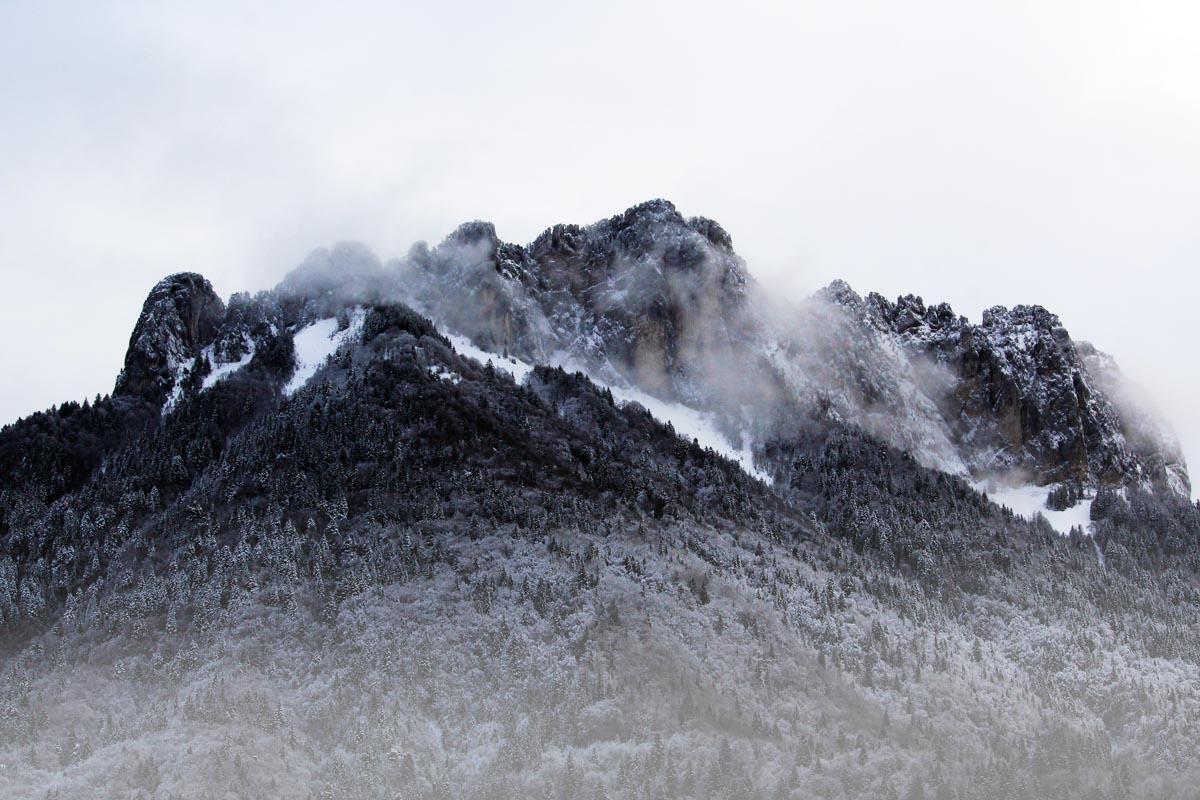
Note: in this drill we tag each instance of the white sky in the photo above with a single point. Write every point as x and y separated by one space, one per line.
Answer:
981 153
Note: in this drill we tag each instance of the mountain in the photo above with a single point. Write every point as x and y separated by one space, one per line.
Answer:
646 295
663 303
594 517
651 300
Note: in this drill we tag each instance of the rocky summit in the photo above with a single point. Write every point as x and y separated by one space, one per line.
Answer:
644 295
664 303
181 314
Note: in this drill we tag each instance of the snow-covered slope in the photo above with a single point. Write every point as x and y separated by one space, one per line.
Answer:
221 370
209 368
316 342
1029 500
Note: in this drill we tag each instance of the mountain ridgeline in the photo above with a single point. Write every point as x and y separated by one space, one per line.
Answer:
594 517
663 303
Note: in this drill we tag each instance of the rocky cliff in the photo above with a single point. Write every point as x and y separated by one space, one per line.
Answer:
180 316
664 303
1025 396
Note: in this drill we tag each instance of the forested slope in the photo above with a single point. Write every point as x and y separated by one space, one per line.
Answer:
415 577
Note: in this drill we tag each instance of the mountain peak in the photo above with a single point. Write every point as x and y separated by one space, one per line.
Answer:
656 209
839 292
181 313
474 232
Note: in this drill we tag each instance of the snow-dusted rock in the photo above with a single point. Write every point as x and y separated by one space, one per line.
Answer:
652 300
180 316
1026 398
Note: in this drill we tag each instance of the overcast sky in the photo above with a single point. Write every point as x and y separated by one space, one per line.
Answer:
980 153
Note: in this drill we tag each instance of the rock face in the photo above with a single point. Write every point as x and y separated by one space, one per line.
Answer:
1149 440
646 294
181 315
1024 396
832 358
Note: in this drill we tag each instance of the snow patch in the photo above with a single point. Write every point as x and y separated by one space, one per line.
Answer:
691 423
176 390
1176 480
218 372
518 369
222 371
315 343
1029 499
688 422
439 371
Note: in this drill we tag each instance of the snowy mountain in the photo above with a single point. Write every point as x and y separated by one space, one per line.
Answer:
662 303
648 300
593 518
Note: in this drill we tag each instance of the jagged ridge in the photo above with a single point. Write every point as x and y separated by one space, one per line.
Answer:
663 303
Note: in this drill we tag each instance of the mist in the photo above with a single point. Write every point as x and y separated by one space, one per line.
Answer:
1011 154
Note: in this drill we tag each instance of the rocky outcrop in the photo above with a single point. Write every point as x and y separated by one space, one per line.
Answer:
646 295
1148 437
1025 397
181 314
651 298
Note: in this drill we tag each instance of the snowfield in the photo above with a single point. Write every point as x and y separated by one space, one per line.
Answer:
519 370
315 343
1029 500
692 423
221 371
